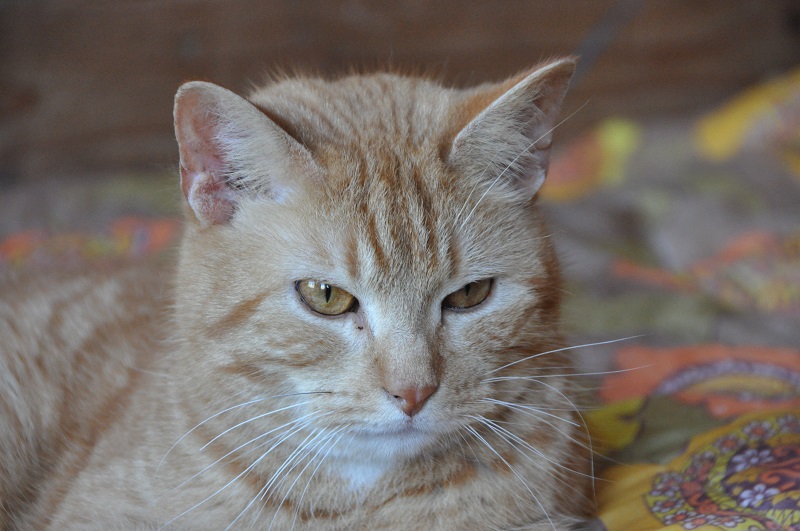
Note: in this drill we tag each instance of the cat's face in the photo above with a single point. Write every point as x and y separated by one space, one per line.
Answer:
379 269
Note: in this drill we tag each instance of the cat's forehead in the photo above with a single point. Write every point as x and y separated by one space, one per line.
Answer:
358 110
403 216
412 224
378 139
403 223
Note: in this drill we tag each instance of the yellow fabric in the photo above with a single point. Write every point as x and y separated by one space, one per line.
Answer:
767 112
729 478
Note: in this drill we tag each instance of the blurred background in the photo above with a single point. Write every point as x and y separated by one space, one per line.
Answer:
86 86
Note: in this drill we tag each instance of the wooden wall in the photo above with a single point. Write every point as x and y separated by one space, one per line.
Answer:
86 86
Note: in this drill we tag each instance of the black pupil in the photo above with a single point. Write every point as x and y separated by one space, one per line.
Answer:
466 289
327 293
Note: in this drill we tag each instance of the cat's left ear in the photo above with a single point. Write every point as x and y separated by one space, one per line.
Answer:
230 150
506 144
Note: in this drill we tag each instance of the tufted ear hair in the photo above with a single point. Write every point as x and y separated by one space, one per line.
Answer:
507 141
230 149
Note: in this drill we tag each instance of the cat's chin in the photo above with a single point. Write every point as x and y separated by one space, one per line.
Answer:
373 452
391 443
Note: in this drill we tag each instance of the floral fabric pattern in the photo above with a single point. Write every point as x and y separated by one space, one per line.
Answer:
747 478
691 250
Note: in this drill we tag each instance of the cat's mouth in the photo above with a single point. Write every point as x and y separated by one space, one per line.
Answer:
406 429
404 439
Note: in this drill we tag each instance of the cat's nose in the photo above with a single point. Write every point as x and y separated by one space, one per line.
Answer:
411 399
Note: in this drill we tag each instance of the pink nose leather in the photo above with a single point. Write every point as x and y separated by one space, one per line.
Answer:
411 399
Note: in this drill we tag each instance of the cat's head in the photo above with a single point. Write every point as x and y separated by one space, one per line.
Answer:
374 242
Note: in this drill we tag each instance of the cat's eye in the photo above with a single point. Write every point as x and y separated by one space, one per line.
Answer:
470 295
324 298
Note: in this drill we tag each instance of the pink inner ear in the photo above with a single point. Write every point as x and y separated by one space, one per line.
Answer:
202 165
208 196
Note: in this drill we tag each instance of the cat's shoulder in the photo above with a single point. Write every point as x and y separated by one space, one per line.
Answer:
53 310
73 342
93 285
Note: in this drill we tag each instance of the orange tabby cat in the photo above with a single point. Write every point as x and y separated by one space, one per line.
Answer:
361 331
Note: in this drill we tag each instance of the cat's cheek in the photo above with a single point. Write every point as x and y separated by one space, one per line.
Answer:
328 349
477 345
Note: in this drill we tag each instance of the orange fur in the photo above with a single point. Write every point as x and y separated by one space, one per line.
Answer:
220 397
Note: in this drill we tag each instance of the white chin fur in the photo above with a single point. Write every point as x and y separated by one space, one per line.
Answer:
389 446
369 455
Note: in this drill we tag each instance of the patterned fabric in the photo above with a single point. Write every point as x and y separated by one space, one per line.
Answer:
694 249
744 477
669 471
756 270
664 235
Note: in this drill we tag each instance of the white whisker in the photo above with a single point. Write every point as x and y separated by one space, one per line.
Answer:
562 349
532 413
259 495
215 415
293 458
528 407
304 419
315 448
478 436
511 438
252 419
282 439
342 430
585 427
598 373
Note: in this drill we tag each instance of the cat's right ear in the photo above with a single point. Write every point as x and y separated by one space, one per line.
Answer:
229 149
507 142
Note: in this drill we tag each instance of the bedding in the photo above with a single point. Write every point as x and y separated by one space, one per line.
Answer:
683 240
